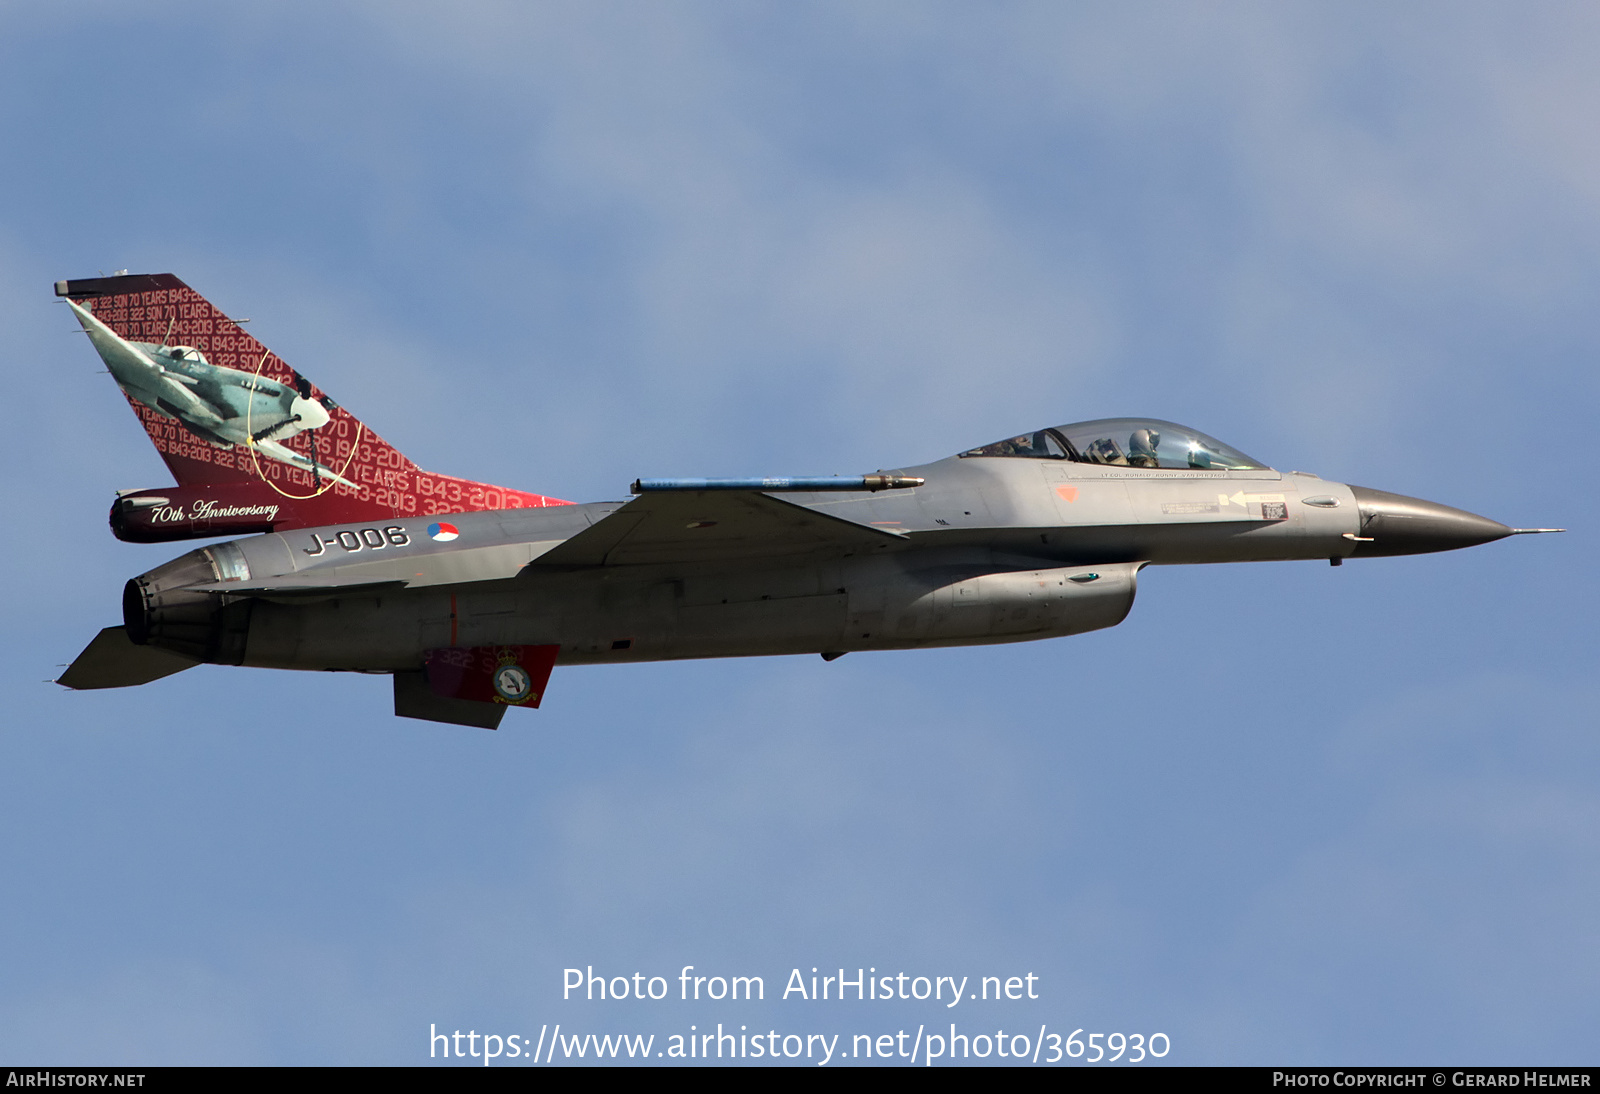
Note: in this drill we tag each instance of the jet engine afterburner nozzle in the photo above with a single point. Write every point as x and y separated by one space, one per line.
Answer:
1393 524
159 609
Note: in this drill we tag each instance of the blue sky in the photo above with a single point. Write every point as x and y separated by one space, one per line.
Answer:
1284 813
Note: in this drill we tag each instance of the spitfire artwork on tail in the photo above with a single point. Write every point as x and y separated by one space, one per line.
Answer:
355 559
224 406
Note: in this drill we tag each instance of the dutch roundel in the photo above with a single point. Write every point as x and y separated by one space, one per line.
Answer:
443 532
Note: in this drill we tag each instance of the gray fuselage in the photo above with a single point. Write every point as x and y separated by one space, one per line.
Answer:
987 550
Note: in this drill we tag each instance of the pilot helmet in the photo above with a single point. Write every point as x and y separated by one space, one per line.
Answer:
1143 442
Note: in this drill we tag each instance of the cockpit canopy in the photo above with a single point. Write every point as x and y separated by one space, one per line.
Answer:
1124 442
184 353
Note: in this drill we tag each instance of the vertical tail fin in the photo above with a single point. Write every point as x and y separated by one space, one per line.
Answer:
254 445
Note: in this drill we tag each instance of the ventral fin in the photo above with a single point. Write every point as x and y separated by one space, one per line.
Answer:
501 675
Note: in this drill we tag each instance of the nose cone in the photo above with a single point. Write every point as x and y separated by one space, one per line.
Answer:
1398 525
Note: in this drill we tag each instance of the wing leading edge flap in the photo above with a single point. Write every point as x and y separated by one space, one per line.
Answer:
710 526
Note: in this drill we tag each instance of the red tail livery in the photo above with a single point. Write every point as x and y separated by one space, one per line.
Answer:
255 447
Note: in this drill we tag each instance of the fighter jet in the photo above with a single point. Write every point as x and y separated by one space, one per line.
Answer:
469 595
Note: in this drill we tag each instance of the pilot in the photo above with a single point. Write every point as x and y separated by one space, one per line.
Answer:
1142 448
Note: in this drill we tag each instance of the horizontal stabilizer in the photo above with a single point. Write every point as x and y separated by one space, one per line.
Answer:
113 661
711 526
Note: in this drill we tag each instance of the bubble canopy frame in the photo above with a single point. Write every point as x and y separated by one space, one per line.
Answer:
1124 442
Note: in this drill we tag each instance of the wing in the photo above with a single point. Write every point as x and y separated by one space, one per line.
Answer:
287 455
711 526
132 367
